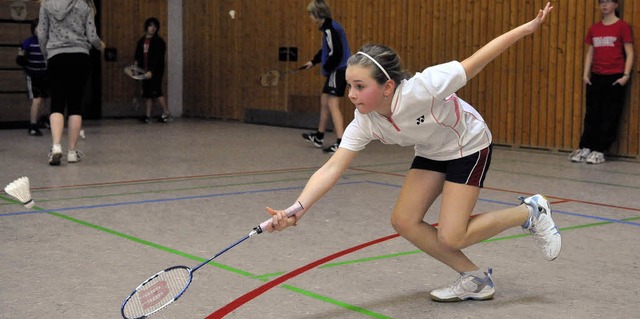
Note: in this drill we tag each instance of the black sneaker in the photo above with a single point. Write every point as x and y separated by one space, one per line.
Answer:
333 148
313 138
43 122
145 119
34 131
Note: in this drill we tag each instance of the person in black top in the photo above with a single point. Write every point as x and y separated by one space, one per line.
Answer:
150 56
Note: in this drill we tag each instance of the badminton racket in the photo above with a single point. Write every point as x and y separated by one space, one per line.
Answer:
272 77
135 72
166 286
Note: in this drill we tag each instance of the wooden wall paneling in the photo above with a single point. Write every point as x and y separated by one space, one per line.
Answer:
633 8
535 86
32 10
466 28
578 93
527 81
410 28
492 70
570 85
510 104
532 95
545 69
501 89
417 62
228 32
8 56
518 102
554 74
13 81
15 32
308 37
390 19
629 122
306 85
480 38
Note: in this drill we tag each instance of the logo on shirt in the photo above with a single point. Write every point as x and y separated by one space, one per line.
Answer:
420 120
604 42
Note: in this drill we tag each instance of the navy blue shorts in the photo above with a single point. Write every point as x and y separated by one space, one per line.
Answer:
469 170
37 87
336 83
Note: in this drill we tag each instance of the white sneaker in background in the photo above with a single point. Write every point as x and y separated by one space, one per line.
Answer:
595 158
55 155
74 156
579 155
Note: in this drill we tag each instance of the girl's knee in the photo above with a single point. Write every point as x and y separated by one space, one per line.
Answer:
401 224
450 241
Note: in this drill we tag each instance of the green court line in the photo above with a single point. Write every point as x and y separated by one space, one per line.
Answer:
368 259
150 244
289 287
336 302
225 267
264 277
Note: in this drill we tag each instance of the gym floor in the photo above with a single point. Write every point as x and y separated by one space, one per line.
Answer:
147 197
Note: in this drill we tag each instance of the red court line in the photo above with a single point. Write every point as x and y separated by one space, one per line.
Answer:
559 199
275 282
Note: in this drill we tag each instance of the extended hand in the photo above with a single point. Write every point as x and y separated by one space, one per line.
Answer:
534 24
280 220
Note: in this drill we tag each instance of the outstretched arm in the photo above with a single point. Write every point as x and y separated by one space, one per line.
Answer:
318 185
476 62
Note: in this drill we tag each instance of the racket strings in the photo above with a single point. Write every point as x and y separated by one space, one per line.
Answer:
157 292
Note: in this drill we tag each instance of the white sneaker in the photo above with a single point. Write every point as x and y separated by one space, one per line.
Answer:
55 155
542 227
74 156
579 155
466 287
595 158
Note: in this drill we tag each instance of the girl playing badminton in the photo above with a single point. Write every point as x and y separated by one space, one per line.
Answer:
452 155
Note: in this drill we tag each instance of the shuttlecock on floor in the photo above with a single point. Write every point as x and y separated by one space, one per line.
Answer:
20 190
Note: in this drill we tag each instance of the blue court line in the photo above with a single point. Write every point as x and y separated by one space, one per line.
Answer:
282 189
555 211
57 210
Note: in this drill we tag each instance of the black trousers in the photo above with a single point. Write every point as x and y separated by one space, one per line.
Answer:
68 73
605 102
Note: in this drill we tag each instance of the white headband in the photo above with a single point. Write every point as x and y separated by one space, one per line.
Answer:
376 62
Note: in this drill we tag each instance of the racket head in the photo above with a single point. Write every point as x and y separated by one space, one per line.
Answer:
157 292
134 72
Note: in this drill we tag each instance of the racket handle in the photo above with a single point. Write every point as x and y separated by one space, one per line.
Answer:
292 210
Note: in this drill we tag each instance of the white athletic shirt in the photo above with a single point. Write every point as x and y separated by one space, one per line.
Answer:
426 113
